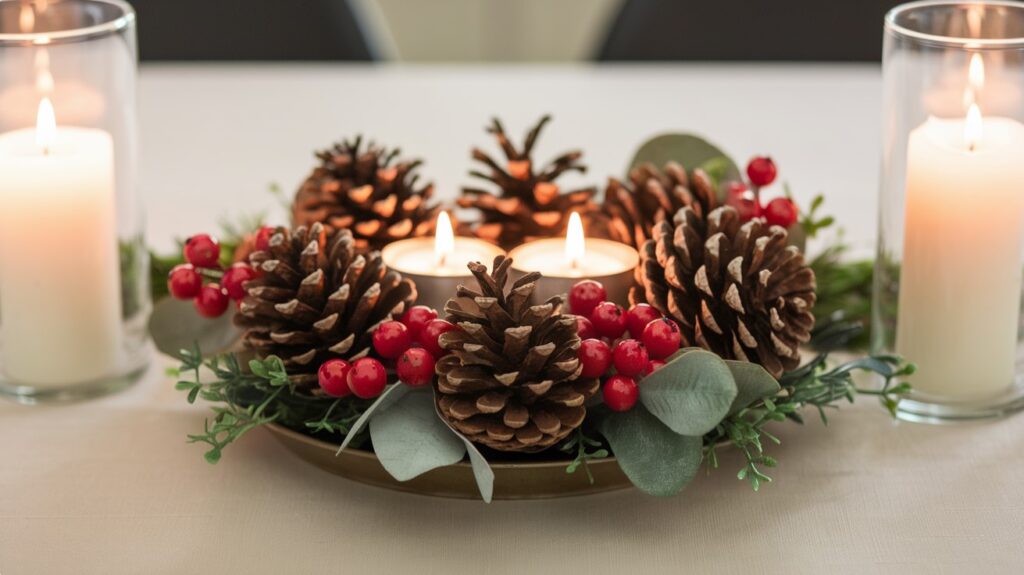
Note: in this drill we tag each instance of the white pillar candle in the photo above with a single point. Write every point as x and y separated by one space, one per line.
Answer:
60 302
960 282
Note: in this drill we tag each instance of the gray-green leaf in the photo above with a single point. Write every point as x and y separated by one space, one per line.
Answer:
386 400
482 472
753 382
175 325
691 394
656 460
691 152
410 439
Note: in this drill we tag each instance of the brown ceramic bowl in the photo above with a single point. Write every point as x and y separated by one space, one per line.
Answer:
541 480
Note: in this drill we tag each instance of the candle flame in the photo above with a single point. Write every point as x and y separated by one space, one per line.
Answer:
575 246
973 127
444 239
46 126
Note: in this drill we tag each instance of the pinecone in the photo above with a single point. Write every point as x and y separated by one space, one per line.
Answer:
367 191
318 299
738 290
631 209
528 203
512 380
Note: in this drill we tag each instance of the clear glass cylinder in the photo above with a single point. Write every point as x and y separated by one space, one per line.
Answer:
947 293
74 281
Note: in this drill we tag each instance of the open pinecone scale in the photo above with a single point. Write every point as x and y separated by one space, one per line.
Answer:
528 202
512 380
736 289
368 191
318 299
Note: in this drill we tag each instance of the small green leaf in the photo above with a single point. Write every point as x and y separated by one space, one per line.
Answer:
656 460
690 394
175 326
386 400
753 382
410 439
482 472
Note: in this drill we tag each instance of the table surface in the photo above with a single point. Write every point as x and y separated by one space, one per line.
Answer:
110 486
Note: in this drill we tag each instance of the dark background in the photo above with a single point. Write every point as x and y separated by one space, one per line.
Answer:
643 30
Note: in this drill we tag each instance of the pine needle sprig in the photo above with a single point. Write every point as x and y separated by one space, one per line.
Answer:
815 384
585 449
260 393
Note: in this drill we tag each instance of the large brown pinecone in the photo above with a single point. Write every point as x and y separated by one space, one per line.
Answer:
367 191
318 299
512 380
738 290
631 209
528 203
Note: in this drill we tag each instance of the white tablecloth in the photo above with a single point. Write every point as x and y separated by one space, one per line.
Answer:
110 486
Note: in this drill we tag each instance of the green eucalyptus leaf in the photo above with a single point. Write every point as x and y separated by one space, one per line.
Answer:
691 152
386 400
410 439
690 394
482 472
753 382
657 460
175 326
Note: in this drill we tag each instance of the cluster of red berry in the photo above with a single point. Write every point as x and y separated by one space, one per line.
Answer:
761 172
186 281
602 325
413 345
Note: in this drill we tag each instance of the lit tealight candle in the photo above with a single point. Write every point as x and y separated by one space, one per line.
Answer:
565 261
438 264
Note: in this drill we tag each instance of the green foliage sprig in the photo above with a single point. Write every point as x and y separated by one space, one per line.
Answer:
583 449
247 397
815 385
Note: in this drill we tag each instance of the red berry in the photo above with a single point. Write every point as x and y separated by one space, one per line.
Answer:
745 204
415 367
263 238
202 251
430 333
638 317
212 301
653 365
662 338
609 319
391 338
736 190
761 171
584 328
184 282
333 377
585 295
781 212
595 356
234 279
367 377
630 357
416 318
620 393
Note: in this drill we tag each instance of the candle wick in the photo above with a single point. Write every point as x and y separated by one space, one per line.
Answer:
46 150
442 259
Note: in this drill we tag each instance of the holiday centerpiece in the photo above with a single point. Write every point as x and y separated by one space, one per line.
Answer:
509 391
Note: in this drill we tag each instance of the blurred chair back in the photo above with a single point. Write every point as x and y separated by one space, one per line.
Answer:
783 30
249 30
